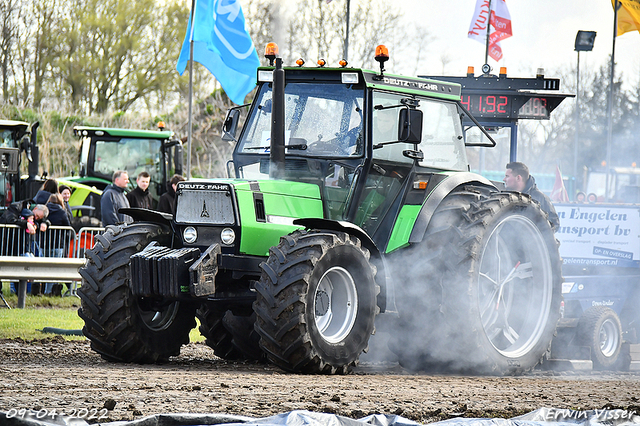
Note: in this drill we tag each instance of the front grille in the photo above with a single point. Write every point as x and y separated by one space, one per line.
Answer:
205 206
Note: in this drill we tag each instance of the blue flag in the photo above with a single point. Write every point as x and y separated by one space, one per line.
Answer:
222 44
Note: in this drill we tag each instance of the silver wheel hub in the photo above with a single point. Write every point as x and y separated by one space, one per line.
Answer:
515 286
609 338
335 304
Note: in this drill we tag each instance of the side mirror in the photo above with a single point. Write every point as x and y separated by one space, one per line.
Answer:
177 158
230 125
9 160
410 128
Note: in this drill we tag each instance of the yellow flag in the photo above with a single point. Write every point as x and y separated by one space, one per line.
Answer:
628 15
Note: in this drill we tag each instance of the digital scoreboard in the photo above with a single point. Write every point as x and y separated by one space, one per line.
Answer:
504 99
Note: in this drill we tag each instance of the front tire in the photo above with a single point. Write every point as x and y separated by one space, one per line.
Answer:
316 302
120 326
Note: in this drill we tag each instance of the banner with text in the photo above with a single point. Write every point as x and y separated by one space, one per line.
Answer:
594 235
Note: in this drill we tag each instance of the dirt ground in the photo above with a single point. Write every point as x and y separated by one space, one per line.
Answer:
68 377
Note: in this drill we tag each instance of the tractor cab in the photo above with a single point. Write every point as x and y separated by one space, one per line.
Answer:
365 138
17 137
105 150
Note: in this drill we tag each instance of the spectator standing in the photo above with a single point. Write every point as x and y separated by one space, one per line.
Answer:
57 238
167 202
65 191
517 178
140 197
31 221
50 186
113 198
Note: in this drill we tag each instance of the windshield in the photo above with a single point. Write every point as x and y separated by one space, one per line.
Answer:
7 140
321 120
132 155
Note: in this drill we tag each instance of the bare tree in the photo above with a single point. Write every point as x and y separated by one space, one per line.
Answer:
9 18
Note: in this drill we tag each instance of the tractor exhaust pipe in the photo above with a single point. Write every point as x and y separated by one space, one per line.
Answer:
35 157
276 157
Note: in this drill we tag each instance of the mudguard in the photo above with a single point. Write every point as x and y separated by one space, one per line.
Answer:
438 194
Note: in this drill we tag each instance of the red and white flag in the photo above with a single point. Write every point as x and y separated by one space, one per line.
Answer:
499 19
559 192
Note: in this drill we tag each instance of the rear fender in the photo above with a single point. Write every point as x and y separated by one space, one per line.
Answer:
443 189
386 294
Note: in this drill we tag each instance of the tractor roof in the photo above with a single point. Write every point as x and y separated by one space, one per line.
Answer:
120 133
20 126
373 79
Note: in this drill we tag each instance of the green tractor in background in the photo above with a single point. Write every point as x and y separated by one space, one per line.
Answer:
352 207
105 150
102 151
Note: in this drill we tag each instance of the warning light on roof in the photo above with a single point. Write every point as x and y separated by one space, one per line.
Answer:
300 62
161 125
270 52
382 53
322 62
343 63
470 71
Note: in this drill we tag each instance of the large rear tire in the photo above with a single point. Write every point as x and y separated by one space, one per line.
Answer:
120 326
316 302
488 296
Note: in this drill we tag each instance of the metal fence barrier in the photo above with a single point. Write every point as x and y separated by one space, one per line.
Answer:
52 256
56 242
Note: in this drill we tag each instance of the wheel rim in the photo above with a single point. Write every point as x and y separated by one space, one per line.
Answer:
158 319
335 304
515 286
609 338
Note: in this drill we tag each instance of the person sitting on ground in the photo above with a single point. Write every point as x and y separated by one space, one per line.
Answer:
517 178
50 186
113 199
167 202
141 197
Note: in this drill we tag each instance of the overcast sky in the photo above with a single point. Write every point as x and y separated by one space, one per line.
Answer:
544 33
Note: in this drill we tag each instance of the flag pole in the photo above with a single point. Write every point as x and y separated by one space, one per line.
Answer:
190 125
486 50
346 38
610 105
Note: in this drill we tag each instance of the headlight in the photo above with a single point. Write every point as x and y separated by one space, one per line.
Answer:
190 234
227 236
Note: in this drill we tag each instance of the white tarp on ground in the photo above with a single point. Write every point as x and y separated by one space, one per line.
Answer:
540 417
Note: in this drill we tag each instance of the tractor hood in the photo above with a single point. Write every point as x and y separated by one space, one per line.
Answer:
280 187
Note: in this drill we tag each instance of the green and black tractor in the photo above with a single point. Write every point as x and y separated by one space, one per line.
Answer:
350 205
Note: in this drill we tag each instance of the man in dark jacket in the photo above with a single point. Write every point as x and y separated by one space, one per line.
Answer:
113 199
14 215
167 200
517 178
140 197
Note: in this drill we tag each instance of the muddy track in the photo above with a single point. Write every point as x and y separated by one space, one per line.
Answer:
68 376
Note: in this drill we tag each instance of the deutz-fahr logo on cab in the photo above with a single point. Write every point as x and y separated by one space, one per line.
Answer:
205 186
